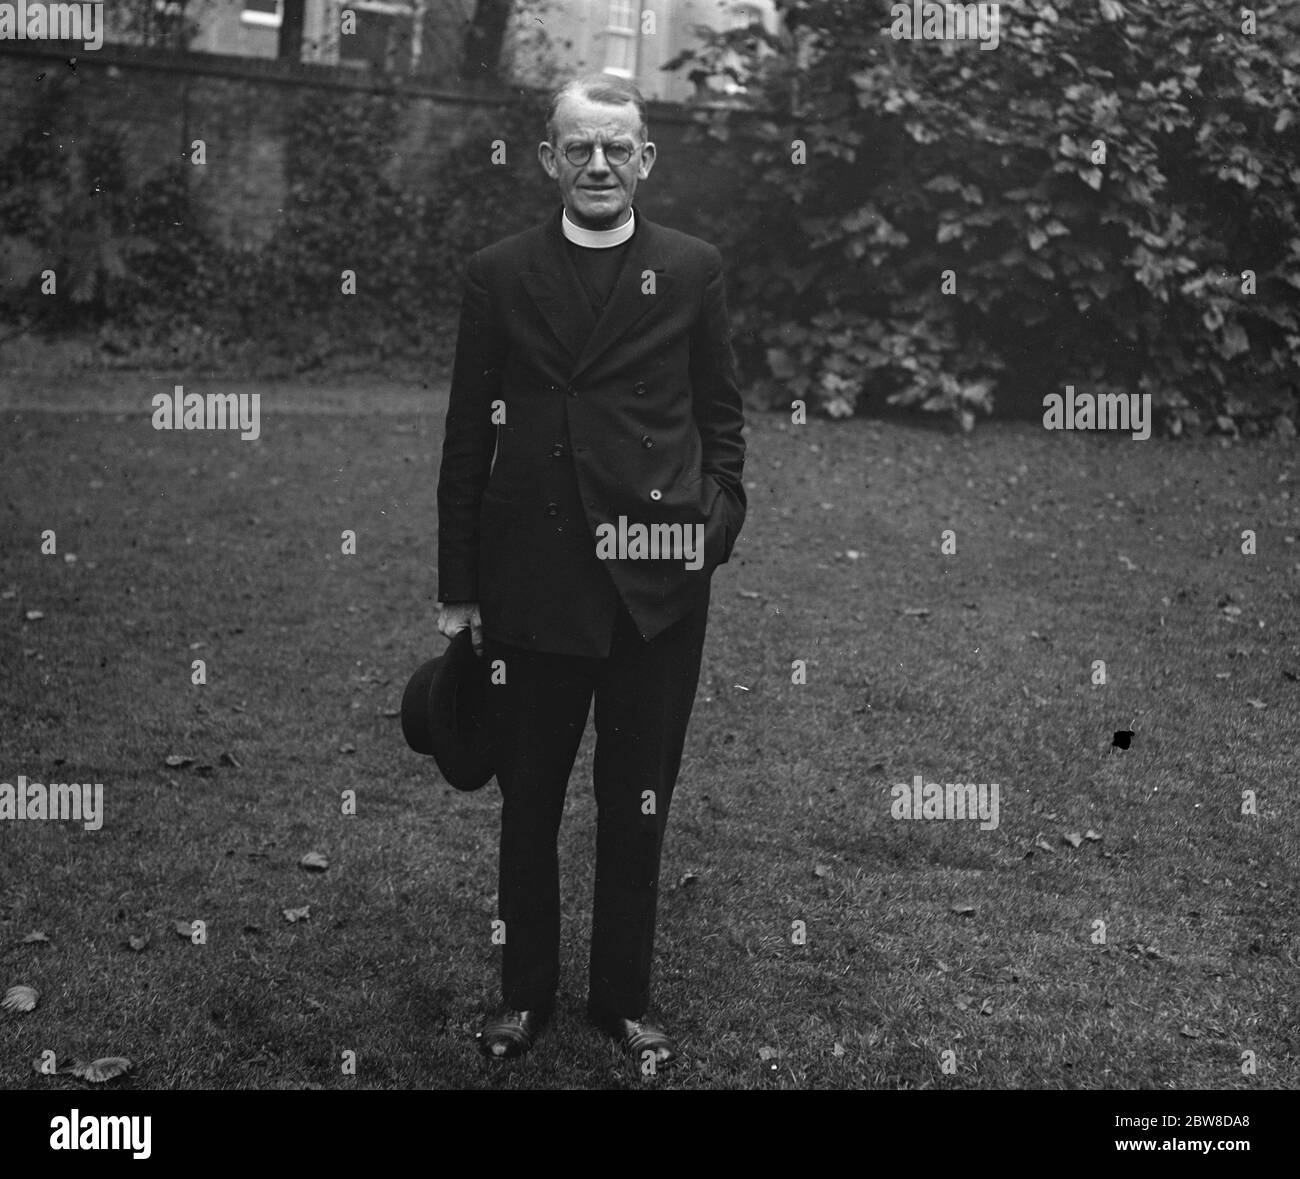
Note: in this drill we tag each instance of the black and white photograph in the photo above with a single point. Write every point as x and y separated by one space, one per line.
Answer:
648 545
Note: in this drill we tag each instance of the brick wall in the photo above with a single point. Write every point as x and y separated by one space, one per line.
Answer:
241 108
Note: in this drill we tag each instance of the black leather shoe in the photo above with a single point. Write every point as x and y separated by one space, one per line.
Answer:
509 1033
637 1036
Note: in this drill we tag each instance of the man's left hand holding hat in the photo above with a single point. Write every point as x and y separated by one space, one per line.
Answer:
454 617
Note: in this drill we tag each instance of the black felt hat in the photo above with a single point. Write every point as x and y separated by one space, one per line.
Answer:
444 714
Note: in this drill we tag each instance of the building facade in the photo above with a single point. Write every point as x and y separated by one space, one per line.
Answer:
627 38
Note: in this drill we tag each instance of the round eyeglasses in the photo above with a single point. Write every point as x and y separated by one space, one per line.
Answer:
616 154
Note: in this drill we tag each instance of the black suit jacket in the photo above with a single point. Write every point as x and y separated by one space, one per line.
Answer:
592 419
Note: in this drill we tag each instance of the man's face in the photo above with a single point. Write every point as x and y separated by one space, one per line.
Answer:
597 194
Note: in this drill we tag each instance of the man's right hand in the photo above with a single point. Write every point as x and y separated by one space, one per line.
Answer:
454 617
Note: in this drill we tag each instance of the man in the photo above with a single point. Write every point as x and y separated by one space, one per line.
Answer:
590 484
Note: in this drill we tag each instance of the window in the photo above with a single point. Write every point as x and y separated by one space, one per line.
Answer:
384 39
262 12
621 35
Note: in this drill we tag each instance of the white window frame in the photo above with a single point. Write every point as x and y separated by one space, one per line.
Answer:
388 7
626 35
267 20
412 8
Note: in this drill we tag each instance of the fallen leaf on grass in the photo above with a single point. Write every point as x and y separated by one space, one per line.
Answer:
347 747
986 1008
1043 845
292 915
176 761
229 759
916 611
1190 1032
1257 704
34 615
20 999
184 929
138 943
821 870
314 861
687 878
964 1002
747 593
765 1054
35 937
838 1050
964 909
1073 838
1092 835
103 1069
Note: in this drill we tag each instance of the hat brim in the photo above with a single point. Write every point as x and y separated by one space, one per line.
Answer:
444 714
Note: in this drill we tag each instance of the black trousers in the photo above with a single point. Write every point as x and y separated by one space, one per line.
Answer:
644 692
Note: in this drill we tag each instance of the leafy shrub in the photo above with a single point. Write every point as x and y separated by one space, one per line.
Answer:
1096 184
474 201
341 213
65 207
142 270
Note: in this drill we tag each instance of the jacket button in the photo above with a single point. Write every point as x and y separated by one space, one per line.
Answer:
557 451
552 509
656 494
647 442
639 388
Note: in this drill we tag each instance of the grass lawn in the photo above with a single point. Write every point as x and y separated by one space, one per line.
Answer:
1071 548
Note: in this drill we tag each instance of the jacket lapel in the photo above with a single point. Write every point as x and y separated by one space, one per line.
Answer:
553 285
630 300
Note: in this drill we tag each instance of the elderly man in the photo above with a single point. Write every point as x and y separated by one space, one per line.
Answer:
590 484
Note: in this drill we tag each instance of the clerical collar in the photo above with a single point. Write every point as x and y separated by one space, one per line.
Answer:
598 239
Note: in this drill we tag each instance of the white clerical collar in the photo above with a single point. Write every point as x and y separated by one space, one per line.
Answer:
598 239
